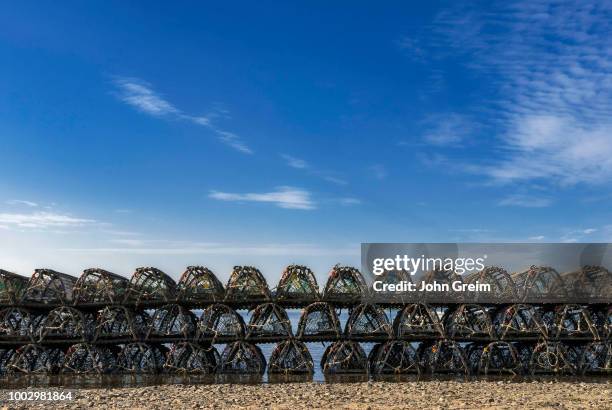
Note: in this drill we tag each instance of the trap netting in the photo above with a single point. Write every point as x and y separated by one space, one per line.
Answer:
498 358
345 285
418 321
141 358
199 286
539 283
99 287
290 356
150 286
121 324
12 287
191 358
242 358
247 285
577 322
172 322
67 325
344 357
443 356
519 322
597 358
6 356
33 358
593 283
394 357
368 322
84 358
500 282
469 322
269 322
555 357
18 325
319 321
48 287
219 323
297 286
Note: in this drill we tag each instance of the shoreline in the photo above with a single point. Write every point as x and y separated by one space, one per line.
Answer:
361 395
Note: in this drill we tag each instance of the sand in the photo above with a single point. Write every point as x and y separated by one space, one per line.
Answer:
365 395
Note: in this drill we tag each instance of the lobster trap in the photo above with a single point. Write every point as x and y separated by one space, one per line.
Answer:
199 286
18 325
6 356
575 322
555 357
269 322
539 283
368 322
345 286
443 356
593 283
190 358
172 322
319 322
596 359
33 358
418 321
519 322
242 358
344 357
291 357
12 287
150 287
247 286
141 358
469 322
48 287
498 358
65 325
220 323
119 324
394 357
501 284
297 287
84 358
98 287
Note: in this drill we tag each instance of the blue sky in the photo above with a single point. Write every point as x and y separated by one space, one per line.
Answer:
267 134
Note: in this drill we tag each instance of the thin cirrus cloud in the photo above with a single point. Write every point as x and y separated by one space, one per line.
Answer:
283 197
551 66
525 201
21 202
140 95
302 164
41 220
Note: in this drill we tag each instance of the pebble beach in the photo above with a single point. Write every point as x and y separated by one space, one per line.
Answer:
363 395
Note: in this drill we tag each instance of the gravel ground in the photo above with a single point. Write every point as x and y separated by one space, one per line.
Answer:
374 395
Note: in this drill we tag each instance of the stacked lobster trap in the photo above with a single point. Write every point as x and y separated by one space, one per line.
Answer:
104 323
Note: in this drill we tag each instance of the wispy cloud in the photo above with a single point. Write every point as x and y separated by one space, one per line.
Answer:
141 95
525 201
21 202
283 197
349 201
42 220
294 162
550 62
298 163
447 129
